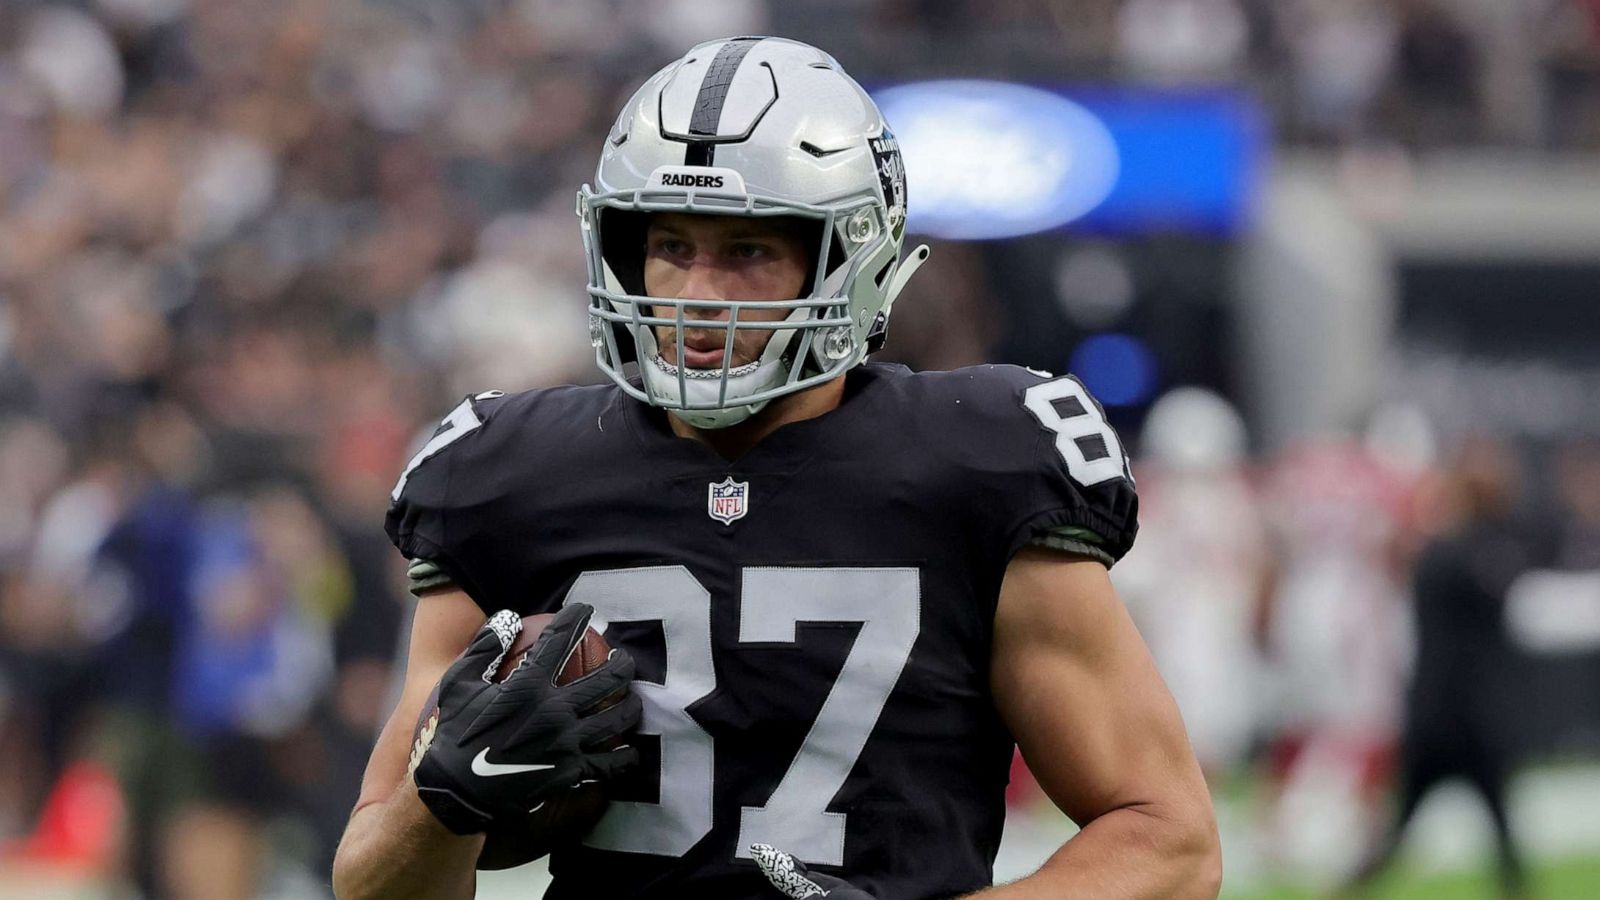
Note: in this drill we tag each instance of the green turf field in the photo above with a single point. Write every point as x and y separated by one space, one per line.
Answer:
1573 879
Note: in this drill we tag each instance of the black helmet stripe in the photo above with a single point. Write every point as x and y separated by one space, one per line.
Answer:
713 93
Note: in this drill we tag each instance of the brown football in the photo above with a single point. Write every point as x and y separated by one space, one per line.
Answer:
562 819
589 655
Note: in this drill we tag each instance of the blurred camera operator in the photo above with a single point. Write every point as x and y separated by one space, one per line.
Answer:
1458 712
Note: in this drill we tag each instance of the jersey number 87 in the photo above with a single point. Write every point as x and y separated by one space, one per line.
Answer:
887 603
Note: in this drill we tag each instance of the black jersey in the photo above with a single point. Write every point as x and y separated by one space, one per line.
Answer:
811 621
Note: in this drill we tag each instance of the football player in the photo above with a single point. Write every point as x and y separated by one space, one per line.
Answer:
841 591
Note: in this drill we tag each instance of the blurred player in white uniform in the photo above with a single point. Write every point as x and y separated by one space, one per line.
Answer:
1194 583
1337 634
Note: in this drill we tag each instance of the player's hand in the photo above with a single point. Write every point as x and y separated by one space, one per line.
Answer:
502 749
792 879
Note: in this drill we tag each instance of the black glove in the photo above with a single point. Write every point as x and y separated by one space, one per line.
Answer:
792 879
501 750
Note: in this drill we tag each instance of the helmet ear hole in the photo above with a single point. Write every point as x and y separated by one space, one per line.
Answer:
883 273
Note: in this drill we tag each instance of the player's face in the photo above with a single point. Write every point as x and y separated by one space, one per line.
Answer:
722 258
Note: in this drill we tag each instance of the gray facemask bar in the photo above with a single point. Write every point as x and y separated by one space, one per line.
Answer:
829 312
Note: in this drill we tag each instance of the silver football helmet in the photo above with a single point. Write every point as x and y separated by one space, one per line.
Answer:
747 126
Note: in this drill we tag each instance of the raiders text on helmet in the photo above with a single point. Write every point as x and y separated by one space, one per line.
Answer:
756 127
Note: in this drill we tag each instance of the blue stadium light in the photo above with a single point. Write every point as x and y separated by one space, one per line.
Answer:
1119 369
990 159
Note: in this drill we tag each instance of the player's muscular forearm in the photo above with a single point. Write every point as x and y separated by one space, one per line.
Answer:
1126 853
395 849
1074 682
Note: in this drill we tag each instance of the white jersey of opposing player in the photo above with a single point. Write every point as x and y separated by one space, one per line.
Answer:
1340 631
1191 584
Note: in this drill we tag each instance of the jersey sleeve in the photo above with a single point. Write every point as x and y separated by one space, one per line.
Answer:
436 482
425 575
1068 482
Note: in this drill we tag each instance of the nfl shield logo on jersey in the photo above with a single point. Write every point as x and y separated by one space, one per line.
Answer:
726 501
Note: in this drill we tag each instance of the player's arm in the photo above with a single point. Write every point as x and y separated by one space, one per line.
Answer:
545 737
1075 684
393 847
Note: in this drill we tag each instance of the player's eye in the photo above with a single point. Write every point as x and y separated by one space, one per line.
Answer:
670 246
749 250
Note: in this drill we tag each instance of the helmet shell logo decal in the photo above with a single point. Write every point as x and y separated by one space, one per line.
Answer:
728 500
892 175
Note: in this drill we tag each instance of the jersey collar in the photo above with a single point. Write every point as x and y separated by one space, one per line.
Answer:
786 448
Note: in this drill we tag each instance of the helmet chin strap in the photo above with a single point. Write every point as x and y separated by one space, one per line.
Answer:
703 391
704 388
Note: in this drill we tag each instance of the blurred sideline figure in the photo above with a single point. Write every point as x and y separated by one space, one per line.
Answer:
1459 704
168 650
1194 582
1334 631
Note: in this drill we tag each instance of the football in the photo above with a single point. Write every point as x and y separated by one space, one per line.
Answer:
589 655
561 819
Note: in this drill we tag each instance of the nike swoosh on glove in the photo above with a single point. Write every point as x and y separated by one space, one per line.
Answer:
502 749
792 879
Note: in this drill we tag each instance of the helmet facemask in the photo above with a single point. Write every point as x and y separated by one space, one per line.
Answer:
816 341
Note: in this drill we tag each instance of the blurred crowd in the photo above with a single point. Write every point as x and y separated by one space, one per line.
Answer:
248 249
